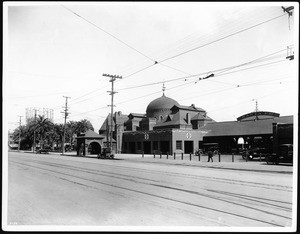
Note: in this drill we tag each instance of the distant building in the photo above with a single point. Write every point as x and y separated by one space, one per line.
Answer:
31 112
118 124
252 130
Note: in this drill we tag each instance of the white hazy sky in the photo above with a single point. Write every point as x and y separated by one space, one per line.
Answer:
50 52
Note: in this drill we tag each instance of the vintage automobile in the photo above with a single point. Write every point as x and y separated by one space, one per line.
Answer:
106 153
283 155
252 153
43 151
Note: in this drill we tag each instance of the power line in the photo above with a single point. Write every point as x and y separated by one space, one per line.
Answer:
109 34
187 77
203 73
262 65
201 46
222 38
88 93
155 62
147 95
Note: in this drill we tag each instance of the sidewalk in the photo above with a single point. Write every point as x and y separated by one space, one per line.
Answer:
225 163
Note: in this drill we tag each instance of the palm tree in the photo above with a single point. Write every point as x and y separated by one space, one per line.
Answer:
20 135
42 127
71 131
83 126
56 134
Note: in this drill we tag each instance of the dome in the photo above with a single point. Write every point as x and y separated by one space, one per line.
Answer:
160 106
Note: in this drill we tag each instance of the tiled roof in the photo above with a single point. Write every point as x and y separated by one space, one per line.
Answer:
190 108
121 119
137 115
234 128
200 116
90 134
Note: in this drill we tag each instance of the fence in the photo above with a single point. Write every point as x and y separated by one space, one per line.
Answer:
192 157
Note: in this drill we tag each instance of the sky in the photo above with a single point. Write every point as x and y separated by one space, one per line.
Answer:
62 49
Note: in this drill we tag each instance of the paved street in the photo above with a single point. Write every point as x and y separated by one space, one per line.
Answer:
70 190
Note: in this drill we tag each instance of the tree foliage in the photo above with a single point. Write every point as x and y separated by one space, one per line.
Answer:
49 134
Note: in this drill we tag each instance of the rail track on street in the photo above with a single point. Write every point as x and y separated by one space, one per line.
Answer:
199 195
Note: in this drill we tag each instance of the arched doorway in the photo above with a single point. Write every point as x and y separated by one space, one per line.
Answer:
95 148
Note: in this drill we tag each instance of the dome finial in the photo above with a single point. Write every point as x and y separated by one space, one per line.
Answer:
163 89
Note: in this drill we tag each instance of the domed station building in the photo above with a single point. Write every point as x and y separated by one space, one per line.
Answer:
168 127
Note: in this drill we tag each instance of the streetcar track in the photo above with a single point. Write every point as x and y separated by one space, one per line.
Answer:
159 196
145 200
248 197
206 178
108 174
222 199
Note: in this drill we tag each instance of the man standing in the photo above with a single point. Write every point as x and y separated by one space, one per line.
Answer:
210 155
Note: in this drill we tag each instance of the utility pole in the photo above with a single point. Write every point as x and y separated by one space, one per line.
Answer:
289 11
66 113
256 109
34 147
112 92
20 122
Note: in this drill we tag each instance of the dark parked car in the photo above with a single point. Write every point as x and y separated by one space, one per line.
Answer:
254 153
284 155
45 150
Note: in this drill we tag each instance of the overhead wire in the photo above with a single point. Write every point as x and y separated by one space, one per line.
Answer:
222 38
156 62
206 44
108 33
143 53
175 55
217 72
177 86
222 108
193 40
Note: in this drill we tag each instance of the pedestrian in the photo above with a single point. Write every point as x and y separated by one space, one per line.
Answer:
210 155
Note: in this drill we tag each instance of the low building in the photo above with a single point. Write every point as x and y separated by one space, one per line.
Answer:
250 130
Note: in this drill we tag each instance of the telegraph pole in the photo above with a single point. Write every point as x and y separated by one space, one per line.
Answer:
20 122
66 113
34 130
256 110
112 92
